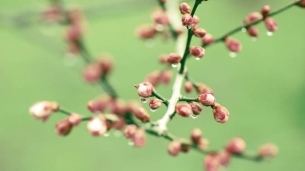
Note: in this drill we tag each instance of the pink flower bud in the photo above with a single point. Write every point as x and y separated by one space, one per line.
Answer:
163 59
173 58
188 86
92 73
75 119
206 99
265 10
153 77
155 104
146 32
236 146
202 89
224 157
207 39
185 8
145 89
174 148
139 138
166 76
253 16
42 110
142 114
184 109
97 126
268 151
197 51
252 31
98 105
203 144
74 33
211 162
63 127
270 24
233 45
187 20
130 131
105 63
160 17
118 107
221 114
199 32
196 135
196 108
195 22
133 106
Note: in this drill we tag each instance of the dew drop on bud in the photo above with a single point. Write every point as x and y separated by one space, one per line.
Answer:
153 110
143 100
194 116
269 33
197 59
243 29
174 65
232 54
159 27
130 143
106 135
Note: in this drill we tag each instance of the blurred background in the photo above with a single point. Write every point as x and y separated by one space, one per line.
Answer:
263 87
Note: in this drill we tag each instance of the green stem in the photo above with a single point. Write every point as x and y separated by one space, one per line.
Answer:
159 96
187 99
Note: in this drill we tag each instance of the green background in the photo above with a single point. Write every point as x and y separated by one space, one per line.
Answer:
263 87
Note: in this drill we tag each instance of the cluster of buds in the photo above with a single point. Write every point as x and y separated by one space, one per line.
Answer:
94 71
136 135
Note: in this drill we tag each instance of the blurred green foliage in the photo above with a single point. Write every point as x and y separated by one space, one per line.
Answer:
263 88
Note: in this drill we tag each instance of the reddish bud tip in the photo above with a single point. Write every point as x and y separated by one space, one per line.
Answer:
142 114
145 89
253 16
196 108
207 39
184 109
197 51
265 10
271 24
211 162
196 135
221 114
268 151
233 45
252 31
64 127
206 99
173 58
187 20
92 73
139 138
202 89
75 119
130 131
155 104
199 32
188 86
174 148
236 146
185 8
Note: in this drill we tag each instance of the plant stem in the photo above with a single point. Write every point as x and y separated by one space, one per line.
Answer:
159 96
186 99
171 28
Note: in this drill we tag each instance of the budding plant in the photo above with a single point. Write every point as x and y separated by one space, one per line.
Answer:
110 111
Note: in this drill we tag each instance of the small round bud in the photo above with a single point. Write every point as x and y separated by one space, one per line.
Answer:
118 107
139 138
196 135
265 10
142 114
196 108
42 110
268 151
163 59
166 76
145 89
221 114
160 17
64 127
206 99
187 20
174 148
207 39
199 32
75 119
236 146
105 63
252 31
271 24
203 144
174 58
211 162
146 32
224 157
253 16
184 8
197 51
98 105
130 131
155 104
97 126
202 89
74 33
92 73
184 109
188 86
153 77
233 45
195 22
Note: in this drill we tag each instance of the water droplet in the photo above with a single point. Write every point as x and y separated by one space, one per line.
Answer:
232 54
269 33
117 133
254 39
159 27
197 58
106 135
174 65
130 143
143 100
153 110
194 116
243 29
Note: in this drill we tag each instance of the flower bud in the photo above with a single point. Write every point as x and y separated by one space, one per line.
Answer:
120 124
199 32
153 77
202 89
206 99
92 73
173 58
63 127
97 126
118 107
130 131
187 20
268 151
196 108
252 31
98 105
42 110
207 39
211 162
236 146
155 104
174 148
233 45
196 135
146 32
185 8
271 24
221 114
74 33
166 76
75 119
142 114
253 16
188 86
203 143
184 109
224 157
145 89
139 138
265 10
163 59
195 22
197 51
105 63
160 17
